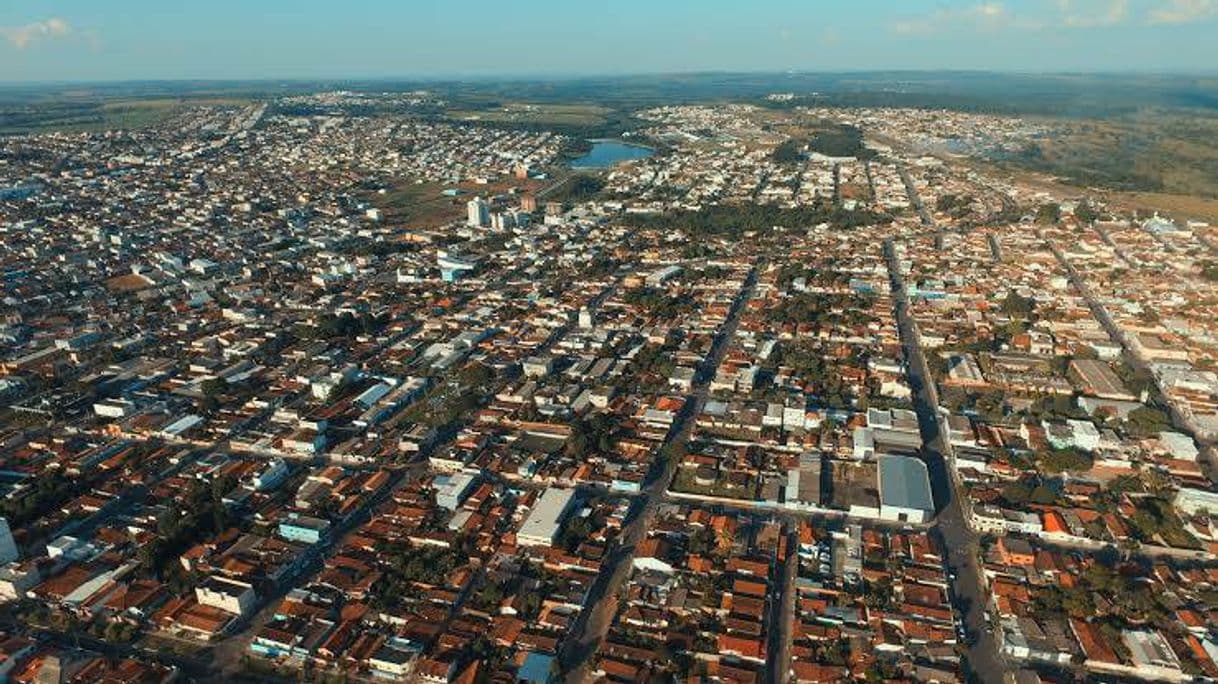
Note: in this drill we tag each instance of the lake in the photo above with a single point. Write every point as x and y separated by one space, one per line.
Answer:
606 153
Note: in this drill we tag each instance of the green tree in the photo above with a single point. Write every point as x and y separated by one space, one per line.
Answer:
786 153
1049 214
1085 213
213 387
1018 306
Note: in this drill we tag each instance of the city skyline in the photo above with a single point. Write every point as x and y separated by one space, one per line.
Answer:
69 40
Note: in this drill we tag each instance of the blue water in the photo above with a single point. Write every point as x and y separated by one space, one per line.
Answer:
606 153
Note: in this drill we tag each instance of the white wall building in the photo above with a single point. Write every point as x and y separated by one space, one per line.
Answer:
228 595
8 547
542 525
478 213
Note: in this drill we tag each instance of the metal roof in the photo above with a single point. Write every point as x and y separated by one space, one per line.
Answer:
905 483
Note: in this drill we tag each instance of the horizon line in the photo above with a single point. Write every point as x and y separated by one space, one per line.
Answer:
460 77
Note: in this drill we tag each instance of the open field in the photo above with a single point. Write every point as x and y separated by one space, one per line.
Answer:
418 204
84 115
422 205
1180 207
1174 153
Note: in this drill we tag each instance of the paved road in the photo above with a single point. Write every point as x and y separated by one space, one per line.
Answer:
968 591
1150 552
227 653
782 615
592 625
1209 450
197 668
914 198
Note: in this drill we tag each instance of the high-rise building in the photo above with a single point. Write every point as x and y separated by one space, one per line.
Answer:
479 212
528 203
8 547
503 220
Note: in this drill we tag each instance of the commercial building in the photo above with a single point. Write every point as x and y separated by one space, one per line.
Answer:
478 213
230 596
451 490
543 522
661 276
905 489
304 529
1193 501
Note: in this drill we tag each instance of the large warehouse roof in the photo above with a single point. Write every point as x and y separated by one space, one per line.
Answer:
905 483
546 517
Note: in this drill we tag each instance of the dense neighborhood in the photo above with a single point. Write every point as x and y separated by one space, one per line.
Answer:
295 392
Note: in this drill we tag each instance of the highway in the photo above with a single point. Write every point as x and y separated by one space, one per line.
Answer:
968 591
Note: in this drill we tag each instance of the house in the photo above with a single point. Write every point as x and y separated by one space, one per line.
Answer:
1016 551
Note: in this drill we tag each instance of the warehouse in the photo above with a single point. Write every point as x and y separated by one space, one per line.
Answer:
905 490
544 521
451 490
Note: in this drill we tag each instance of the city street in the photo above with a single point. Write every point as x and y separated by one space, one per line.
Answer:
601 604
969 594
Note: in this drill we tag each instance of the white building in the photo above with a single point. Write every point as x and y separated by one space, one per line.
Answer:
18 578
542 525
451 490
1179 445
478 212
905 494
661 276
864 443
1193 501
1152 655
230 596
8 547
114 408
392 663
794 417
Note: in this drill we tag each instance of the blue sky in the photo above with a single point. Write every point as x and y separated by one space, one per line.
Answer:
152 39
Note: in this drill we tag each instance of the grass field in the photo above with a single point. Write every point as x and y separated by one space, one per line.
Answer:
422 205
1177 206
418 204
1155 152
86 114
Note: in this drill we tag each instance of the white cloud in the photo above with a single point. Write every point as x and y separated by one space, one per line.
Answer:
983 15
1183 11
1056 14
1093 13
22 37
